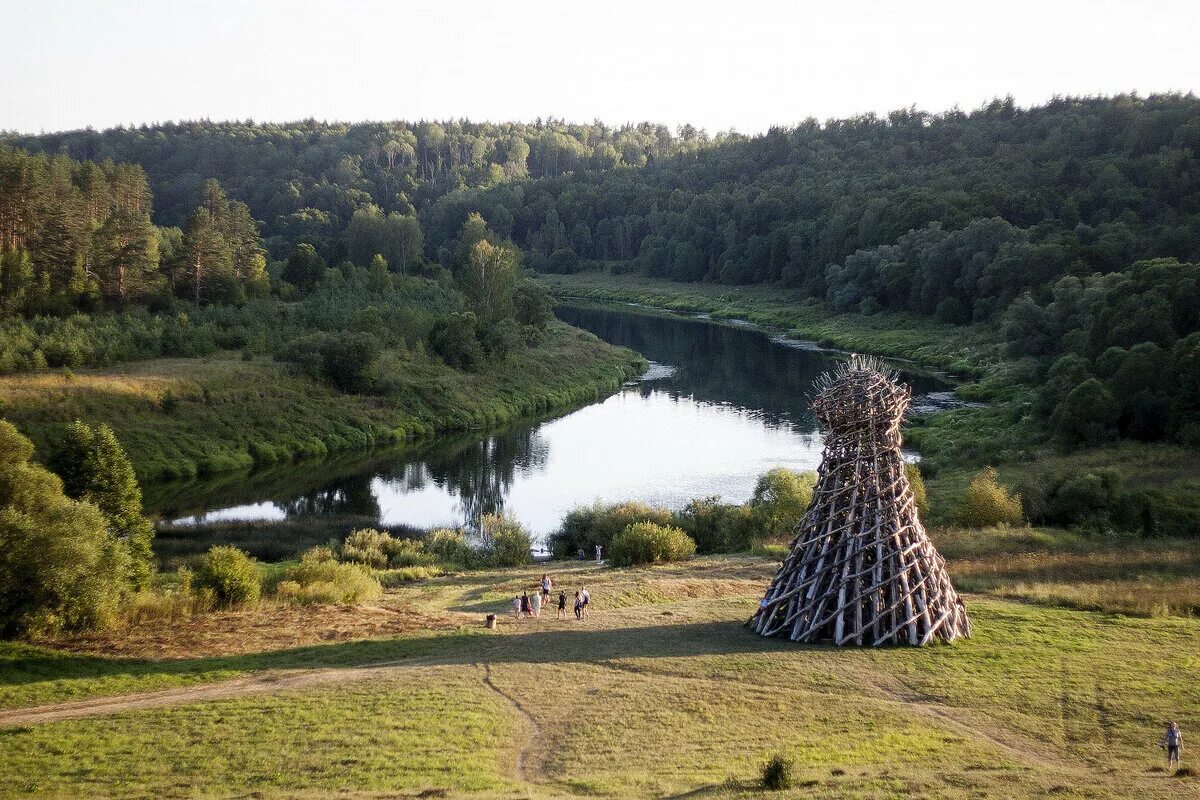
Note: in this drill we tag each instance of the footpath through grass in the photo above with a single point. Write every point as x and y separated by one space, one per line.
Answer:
662 691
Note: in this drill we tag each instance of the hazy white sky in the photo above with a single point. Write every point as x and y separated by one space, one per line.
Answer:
743 64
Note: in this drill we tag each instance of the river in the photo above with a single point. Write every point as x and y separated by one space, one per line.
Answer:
720 405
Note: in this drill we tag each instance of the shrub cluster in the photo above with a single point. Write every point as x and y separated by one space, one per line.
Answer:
232 576
780 499
987 503
648 543
320 578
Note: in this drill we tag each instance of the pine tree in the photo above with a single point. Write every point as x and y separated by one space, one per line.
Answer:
94 468
126 255
207 257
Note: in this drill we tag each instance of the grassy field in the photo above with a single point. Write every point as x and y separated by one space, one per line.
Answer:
231 413
662 692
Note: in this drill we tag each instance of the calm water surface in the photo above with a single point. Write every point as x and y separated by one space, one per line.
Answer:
721 405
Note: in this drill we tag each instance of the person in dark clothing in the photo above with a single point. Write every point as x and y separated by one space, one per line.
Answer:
525 604
562 605
1172 742
578 606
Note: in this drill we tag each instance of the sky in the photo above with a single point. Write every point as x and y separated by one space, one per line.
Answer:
740 65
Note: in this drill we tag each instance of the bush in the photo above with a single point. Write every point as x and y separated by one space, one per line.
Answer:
718 527
777 773
379 550
586 527
366 547
987 503
455 339
231 575
450 547
648 543
780 499
917 483
59 568
319 578
506 543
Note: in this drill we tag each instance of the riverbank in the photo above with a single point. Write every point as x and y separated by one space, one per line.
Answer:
183 417
960 350
1155 480
411 695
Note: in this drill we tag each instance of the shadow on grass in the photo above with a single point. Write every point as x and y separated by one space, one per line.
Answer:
577 645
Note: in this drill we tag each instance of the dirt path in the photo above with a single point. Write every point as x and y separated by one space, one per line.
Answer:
536 730
272 681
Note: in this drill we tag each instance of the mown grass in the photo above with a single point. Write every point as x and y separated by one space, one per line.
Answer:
232 414
663 691
449 729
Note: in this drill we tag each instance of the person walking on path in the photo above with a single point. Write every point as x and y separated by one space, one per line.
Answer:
517 606
1172 742
578 606
562 605
535 605
587 599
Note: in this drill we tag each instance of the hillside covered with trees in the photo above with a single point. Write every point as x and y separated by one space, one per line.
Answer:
1069 231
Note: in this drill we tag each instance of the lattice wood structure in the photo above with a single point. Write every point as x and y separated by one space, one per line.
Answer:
861 569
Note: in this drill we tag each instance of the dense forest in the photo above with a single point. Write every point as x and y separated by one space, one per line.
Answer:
1071 229
306 180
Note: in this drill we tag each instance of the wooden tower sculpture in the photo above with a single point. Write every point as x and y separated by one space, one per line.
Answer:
861 568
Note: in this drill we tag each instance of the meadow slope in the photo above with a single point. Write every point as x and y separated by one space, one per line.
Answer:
662 692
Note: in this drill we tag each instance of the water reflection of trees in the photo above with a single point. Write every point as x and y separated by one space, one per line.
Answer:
479 472
720 364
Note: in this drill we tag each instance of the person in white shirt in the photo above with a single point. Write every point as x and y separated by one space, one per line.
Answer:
586 598
535 604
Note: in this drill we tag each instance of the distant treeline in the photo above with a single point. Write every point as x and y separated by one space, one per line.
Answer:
1072 227
305 180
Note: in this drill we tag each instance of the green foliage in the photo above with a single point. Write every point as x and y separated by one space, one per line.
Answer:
505 542
380 550
455 339
585 527
718 527
917 483
781 497
319 578
649 543
778 773
232 576
94 468
345 361
449 547
1086 416
987 503
305 268
394 237
60 570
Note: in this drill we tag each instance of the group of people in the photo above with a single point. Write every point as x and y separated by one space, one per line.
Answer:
526 605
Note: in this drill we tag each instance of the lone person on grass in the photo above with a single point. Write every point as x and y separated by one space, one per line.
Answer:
1172 742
